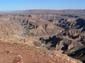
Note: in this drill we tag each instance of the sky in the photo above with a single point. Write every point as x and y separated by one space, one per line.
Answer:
11 5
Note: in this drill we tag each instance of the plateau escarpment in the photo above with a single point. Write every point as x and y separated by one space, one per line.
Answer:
53 31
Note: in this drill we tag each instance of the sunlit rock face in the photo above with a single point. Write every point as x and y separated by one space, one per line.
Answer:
52 30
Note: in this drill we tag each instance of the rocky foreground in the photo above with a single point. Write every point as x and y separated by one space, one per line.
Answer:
16 53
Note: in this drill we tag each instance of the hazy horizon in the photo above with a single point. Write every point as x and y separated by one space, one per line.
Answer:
13 5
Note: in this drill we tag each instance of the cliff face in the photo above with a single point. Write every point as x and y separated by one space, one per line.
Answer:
52 30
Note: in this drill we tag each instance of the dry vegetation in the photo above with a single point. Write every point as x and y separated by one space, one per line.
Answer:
42 37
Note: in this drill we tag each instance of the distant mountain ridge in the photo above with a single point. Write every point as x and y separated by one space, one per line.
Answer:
46 11
43 11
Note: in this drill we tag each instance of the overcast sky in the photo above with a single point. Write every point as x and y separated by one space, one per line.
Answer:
9 5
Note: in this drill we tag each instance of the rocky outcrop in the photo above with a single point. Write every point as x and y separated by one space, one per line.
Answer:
53 31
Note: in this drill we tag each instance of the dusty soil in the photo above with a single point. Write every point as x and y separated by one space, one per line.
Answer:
12 53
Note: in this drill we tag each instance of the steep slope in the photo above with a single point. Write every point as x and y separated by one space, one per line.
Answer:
53 30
